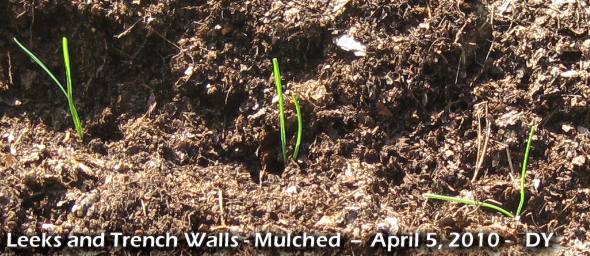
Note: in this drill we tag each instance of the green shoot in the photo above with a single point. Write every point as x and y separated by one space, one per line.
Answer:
299 127
279 85
525 161
67 91
491 206
469 202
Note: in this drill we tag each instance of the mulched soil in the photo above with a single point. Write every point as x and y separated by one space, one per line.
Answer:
177 102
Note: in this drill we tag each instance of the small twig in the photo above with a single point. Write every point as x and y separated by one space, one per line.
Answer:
124 33
478 143
492 11
164 38
221 210
224 132
459 66
143 208
510 163
487 138
20 137
10 80
483 65
481 156
32 23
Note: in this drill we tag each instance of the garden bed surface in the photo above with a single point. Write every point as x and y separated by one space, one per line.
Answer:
177 102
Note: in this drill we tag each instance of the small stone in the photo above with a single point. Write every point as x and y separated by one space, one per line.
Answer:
566 127
291 190
389 225
508 119
570 74
326 221
579 160
47 227
189 71
349 44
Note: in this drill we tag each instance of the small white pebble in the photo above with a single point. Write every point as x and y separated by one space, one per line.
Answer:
189 71
9 137
536 183
108 179
291 190
579 160
349 44
47 226
570 74
566 127
390 225
75 207
258 114
325 221
348 172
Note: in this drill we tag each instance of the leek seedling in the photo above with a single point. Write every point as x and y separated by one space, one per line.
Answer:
492 206
469 202
279 86
67 91
525 162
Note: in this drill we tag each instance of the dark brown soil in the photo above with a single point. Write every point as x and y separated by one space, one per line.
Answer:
177 102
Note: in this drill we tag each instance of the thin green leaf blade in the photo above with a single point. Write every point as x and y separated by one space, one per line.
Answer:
76 119
468 202
42 65
70 94
525 162
67 91
66 54
279 86
299 127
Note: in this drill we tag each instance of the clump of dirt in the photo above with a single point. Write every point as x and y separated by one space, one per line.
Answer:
181 124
